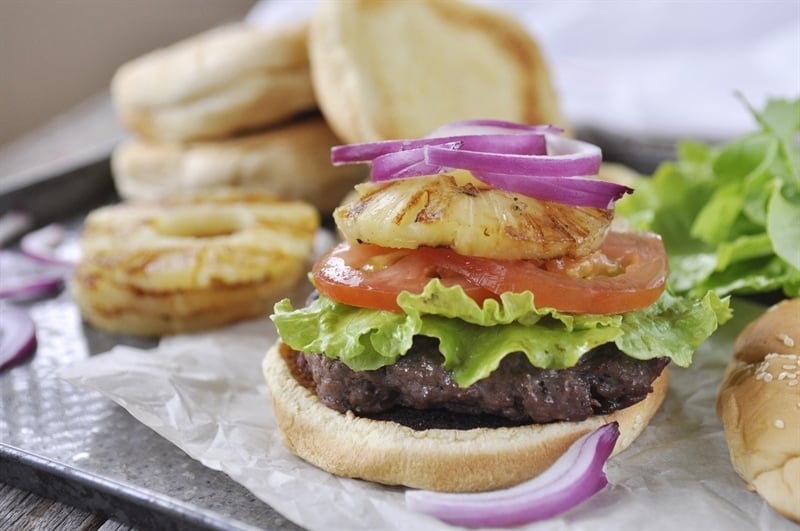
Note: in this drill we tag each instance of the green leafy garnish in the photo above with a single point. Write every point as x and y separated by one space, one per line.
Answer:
729 214
474 339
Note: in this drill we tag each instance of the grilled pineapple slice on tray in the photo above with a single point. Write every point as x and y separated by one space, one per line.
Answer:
458 211
191 262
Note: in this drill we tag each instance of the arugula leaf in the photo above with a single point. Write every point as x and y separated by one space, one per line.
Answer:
783 223
729 214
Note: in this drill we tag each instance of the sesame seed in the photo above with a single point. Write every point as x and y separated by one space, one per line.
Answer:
786 339
779 424
782 375
788 367
794 382
767 377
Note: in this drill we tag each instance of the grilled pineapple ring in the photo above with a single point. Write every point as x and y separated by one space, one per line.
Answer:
191 262
458 211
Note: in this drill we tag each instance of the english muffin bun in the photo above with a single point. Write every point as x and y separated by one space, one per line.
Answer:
291 160
385 70
452 460
759 406
228 80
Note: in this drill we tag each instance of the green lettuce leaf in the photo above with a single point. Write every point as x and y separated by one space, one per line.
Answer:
474 339
729 214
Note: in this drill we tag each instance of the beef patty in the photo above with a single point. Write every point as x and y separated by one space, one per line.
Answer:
517 393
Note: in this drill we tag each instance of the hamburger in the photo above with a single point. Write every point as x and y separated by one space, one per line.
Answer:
480 314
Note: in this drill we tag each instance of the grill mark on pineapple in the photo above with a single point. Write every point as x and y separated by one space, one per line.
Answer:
419 197
436 205
470 190
528 224
354 210
433 210
567 230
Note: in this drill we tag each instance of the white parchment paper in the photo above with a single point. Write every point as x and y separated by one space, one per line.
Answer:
205 394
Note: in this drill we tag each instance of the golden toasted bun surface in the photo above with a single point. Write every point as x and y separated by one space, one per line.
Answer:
401 69
291 160
190 262
388 453
227 80
759 406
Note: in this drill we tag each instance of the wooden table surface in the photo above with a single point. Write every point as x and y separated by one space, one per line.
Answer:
21 510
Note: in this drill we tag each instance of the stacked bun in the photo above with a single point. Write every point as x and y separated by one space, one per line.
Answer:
248 105
759 406
233 106
401 69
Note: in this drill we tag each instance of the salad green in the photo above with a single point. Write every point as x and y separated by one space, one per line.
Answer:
474 339
729 214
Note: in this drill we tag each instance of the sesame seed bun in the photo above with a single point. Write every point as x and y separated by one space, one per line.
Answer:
759 406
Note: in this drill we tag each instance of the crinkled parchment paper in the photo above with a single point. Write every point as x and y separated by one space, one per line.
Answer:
205 394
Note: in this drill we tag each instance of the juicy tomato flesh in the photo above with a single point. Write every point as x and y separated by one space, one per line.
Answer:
628 272
370 276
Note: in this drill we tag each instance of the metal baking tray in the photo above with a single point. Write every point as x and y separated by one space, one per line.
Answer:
76 446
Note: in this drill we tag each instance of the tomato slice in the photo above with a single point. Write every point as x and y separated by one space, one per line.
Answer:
370 276
627 273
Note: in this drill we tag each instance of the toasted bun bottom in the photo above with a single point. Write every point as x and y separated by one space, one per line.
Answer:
759 406
443 460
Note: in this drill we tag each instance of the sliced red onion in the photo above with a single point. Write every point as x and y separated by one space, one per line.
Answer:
575 477
47 245
577 191
350 153
17 335
411 162
529 143
489 126
527 159
23 277
41 242
402 164
565 157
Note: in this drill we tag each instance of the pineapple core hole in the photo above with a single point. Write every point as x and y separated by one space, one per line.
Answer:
200 223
